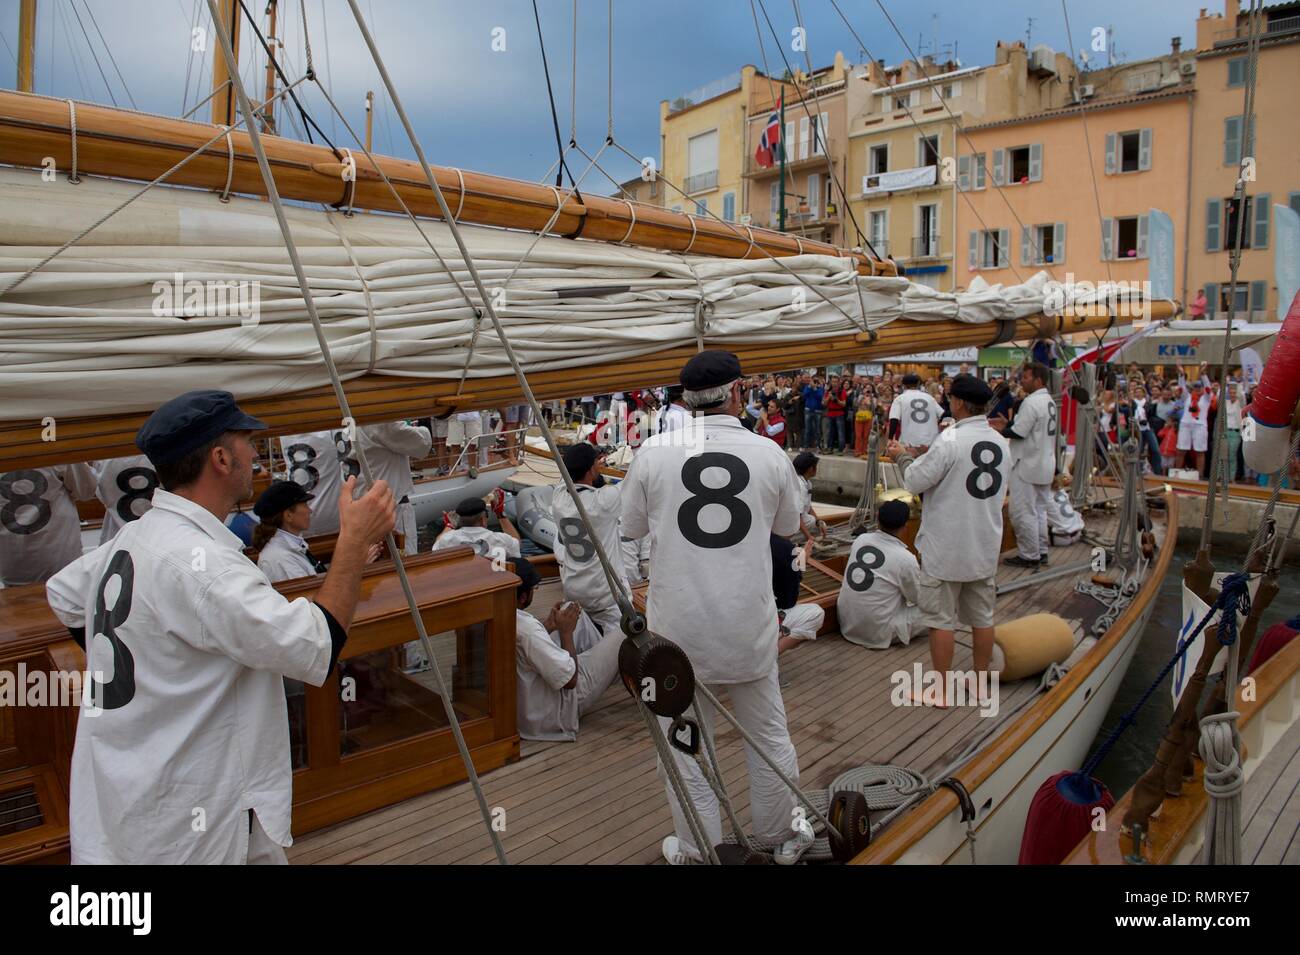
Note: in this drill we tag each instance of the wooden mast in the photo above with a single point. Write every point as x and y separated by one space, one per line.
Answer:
26 45
131 145
268 111
223 100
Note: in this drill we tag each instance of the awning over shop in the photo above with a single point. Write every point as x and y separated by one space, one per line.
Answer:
1009 356
1192 342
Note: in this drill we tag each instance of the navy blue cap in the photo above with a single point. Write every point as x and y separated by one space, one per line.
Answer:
970 388
578 459
526 572
188 422
279 497
709 369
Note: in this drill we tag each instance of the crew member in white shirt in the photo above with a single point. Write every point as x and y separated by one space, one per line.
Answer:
1064 523
1033 465
1232 405
190 724
710 499
389 449
125 486
964 478
473 531
315 461
282 552
796 623
877 603
563 664
581 573
465 430
805 469
40 530
676 416
917 414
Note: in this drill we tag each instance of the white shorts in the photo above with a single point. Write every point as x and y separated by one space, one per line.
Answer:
458 432
1194 438
439 426
945 604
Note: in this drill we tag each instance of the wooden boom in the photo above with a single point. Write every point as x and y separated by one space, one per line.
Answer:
376 398
131 145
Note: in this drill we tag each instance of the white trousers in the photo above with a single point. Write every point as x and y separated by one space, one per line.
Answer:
597 668
759 708
804 620
1029 516
406 525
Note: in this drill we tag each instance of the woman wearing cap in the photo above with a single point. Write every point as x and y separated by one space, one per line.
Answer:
278 539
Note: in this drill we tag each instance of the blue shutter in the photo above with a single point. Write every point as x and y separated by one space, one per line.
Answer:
1259 296
1262 206
999 167
974 260
963 173
1213 225
1004 247
729 206
1112 154
1024 246
1107 239
1058 243
980 170
1231 140
1036 162
1211 299
1144 226
1144 150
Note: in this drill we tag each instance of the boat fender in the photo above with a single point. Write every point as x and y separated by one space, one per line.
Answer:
1061 815
657 672
848 814
1031 644
1273 404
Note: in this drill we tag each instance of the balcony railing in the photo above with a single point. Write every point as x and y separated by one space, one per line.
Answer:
1242 31
801 155
706 92
701 182
925 247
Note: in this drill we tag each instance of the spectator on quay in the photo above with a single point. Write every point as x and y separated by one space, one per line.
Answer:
771 422
792 408
1233 408
863 416
812 414
834 400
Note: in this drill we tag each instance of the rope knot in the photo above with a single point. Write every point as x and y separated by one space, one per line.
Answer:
1234 598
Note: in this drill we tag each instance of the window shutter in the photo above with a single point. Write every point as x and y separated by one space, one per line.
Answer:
981 170
776 198
803 137
1112 147
787 144
1258 296
815 195
1211 299
1231 140
729 207
1024 246
1058 243
999 167
1036 162
1144 149
1107 239
963 173
1261 206
1144 227
974 260
1004 247
1213 225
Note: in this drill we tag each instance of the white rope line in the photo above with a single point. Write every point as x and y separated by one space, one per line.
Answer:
72 123
351 185
460 180
118 208
365 291
230 164
695 233
753 245
631 225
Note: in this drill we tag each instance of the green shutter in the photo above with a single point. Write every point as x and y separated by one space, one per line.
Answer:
1258 296
1231 140
1058 244
1036 162
1112 154
1213 225
1211 299
1262 207
974 260
1144 149
963 173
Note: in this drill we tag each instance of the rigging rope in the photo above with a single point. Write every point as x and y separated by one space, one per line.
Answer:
311 75
555 118
399 567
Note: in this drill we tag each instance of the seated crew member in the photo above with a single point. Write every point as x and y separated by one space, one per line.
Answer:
797 623
1064 523
581 573
563 664
198 644
473 530
40 531
282 552
877 603
125 486
805 469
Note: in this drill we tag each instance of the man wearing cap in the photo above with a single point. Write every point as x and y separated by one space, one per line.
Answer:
964 478
473 531
182 748
676 415
40 531
581 573
388 449
914 415
1033 465
710 497
877 604
563 664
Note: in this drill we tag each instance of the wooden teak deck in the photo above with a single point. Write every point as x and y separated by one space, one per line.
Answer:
601 800
1270 813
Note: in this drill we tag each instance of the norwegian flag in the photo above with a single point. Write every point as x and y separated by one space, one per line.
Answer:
770 141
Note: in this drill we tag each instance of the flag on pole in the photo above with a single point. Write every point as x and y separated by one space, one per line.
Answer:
771 138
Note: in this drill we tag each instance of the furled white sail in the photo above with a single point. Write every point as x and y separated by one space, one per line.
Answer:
105 327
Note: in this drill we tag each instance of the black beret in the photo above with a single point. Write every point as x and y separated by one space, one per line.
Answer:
279 497
709 369
578 458
190 421
969 388
526 572
893 515
471 507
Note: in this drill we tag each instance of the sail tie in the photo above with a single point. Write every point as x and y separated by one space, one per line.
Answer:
230 165
72 124
365 290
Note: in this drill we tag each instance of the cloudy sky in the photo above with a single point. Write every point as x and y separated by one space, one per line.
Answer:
487 109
